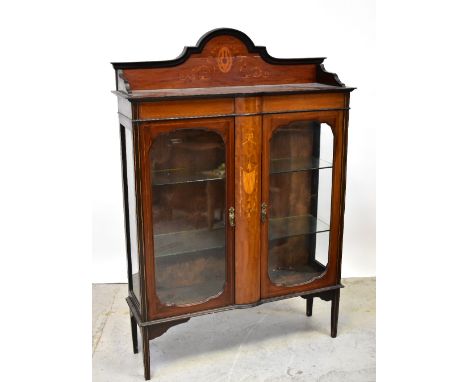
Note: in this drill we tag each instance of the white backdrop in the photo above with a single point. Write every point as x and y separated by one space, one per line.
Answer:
57 111
343 31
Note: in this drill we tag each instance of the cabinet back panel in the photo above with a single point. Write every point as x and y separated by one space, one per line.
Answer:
224 61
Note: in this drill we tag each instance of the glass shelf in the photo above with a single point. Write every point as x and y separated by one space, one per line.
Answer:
295 225
185 175
189 242
301 163
188 197
282 165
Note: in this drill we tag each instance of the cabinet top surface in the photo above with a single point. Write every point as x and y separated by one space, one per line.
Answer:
224 62
232 91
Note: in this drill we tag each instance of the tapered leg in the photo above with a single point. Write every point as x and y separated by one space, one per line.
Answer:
133 324
334 313
146 351
309 305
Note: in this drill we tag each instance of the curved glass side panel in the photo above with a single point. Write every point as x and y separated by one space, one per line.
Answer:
133 232
188 176
301 160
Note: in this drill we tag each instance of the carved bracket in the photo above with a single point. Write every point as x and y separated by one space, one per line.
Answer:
325 296
158 330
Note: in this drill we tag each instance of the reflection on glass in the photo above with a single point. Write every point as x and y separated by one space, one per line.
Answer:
188 182
301 157
132 212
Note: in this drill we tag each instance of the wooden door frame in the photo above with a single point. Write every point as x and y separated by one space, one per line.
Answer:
337 120
148 131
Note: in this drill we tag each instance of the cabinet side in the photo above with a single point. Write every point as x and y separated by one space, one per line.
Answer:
130 211
345 121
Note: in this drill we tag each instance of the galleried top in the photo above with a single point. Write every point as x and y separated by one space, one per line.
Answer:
224 61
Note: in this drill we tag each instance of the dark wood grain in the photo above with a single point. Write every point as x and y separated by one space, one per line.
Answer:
334 313
146 352
270 123
209 68
149 131
228 86
158 330
278 103
220 91
189 51
309 306
304 294
224 57
181 108
247 180
133 327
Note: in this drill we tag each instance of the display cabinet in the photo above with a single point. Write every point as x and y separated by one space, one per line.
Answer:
234 167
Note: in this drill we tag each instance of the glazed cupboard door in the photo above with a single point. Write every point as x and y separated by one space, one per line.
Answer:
188 170
300 201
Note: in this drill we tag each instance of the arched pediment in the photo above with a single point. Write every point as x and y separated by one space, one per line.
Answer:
222 57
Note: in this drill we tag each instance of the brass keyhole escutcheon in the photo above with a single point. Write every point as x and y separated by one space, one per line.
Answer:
232 217
263 213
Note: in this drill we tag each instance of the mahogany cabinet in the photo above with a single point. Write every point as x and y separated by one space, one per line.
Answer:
234 167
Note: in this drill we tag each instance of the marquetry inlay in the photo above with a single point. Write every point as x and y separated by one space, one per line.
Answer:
224 59
249 172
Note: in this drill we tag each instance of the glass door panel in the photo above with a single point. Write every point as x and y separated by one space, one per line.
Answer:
301 157
188 176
